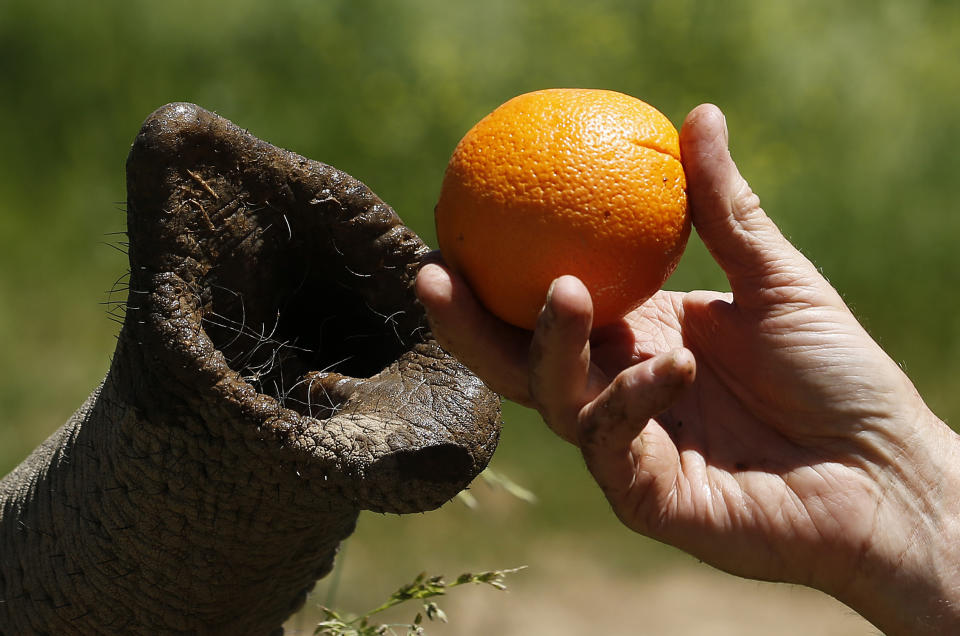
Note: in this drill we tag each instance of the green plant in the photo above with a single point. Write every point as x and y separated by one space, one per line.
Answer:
498 480
421 588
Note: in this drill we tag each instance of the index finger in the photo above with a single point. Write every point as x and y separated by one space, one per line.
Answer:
495 351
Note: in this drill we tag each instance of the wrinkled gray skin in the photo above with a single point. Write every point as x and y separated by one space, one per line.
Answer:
273 376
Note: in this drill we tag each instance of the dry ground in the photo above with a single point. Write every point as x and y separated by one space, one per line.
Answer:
684 600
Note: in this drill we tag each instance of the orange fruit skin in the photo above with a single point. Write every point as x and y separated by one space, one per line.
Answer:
565 181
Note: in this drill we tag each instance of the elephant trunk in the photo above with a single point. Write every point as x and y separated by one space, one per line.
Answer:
273 377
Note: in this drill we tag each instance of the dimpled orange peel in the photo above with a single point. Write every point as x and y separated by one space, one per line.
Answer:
565 181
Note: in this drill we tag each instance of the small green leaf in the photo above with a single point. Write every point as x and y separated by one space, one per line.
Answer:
468 499
499 480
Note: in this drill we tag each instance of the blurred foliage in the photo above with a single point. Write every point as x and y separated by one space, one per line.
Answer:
842 116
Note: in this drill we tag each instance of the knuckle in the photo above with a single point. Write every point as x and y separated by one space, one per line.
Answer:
745 201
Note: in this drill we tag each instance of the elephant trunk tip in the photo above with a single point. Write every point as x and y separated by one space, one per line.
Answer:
285 286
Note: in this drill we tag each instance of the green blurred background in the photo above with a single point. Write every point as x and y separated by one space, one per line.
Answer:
844 116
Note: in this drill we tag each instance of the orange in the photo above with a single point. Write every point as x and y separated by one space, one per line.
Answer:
565 181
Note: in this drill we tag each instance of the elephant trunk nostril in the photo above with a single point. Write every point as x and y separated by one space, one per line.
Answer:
289 266
442 463
415 480
284 344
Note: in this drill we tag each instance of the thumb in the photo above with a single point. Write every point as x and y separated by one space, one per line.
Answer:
727 215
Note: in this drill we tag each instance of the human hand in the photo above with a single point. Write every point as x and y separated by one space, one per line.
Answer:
763 430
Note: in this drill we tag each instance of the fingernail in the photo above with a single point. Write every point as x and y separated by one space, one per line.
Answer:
664 364
675 366
551 288
431 257
549 297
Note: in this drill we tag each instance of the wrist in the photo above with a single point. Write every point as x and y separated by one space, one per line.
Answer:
907 580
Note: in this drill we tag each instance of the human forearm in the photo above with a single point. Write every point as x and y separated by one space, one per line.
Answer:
908 579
